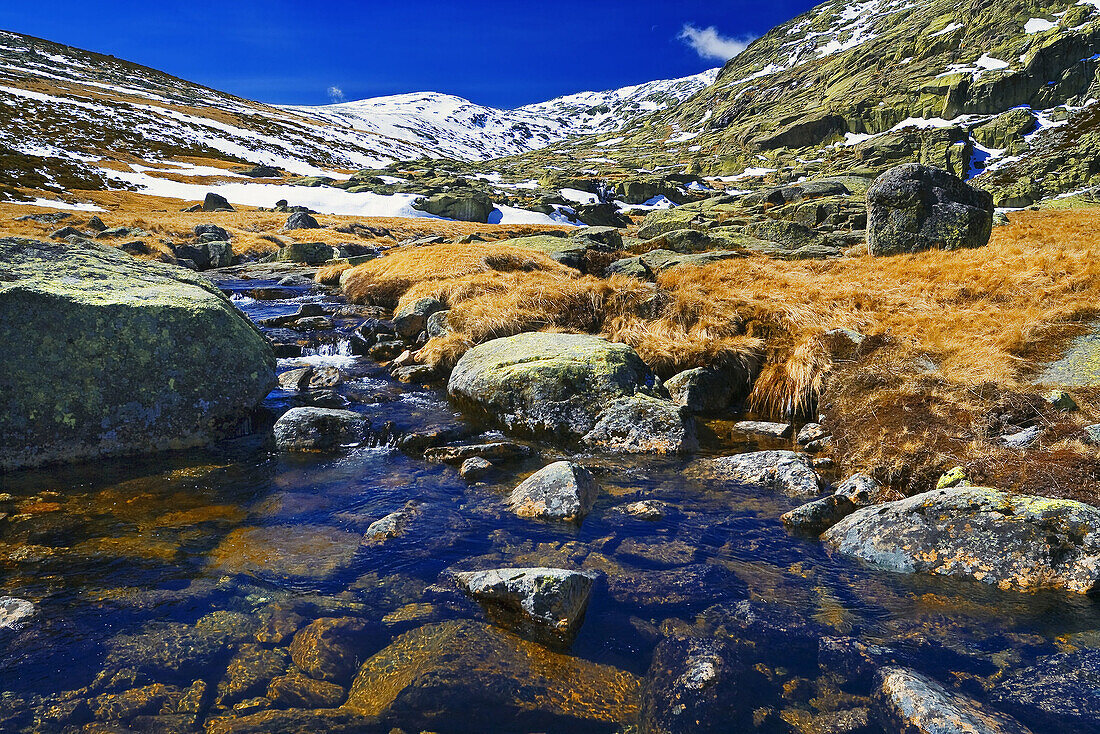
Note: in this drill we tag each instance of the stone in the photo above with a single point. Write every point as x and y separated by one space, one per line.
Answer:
560 491
708 390
296 690
464 207
216 203
553 597
567 251
1011 541
296 380
330 648
955 477
1091 434
475 468
1057 693
436 324
302 220
601 215
764 428
211 230
313 552
785 471
319 429
644 424
163 359
1061 400
860 489
809 433
906 701
249 673
1021 439
416 374
692 587
651 510
412 318
914 207
548 383
14 612
819 515
433 676
296 721
310 253
498 451
179 649
698 685
392 524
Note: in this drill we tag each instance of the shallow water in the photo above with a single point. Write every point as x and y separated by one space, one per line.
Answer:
118 556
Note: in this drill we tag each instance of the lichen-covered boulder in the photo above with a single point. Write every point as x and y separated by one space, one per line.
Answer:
107 355
1012 541
913 207
553 597
906 701
548 383
490 680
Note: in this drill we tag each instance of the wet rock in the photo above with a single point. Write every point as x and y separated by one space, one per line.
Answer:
475 468
914 207
560 491
300 552
497 451
436 675
216 203
180 649
279 625
436 324
204 367
698 685
651 510
296 721
1061 400
764 428
1012 541
295 379
412 318
761 628
644 424
127 704
249 673
809 433
383 351
331 648
785 471
860 488
1059 693
319 429
14 612
392 524
416 374
296 690
853 662
907 701
322 399
554 597
548 383
686 587
818 516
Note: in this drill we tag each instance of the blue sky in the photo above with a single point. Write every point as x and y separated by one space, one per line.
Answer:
500 53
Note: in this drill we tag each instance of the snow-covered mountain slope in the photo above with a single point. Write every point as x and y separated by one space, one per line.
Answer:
63 111
455 127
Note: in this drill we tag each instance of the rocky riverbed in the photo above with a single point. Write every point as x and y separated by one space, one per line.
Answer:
414 574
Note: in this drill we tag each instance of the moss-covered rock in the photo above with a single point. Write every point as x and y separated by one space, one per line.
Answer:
107 355
548 383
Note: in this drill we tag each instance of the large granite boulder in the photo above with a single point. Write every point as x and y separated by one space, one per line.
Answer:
553 597
548 383
644 424
1012 541
468 207
320 429
489 680
107 355
913 207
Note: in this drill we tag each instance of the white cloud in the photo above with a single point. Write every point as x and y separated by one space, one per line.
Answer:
710 45
336 94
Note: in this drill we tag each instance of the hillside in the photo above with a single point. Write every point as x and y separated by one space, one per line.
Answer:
973 87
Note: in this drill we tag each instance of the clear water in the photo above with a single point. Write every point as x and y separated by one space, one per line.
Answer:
122 547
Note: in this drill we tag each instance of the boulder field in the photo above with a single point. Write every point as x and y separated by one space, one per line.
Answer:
108 355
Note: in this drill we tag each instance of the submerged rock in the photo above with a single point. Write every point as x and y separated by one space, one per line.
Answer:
14 612
106 355
490 680
330 648
1059 693
786 471
914 207
548 383
644 424
906 701
560 491
554 597
818 516
300 552
1012 541
319 429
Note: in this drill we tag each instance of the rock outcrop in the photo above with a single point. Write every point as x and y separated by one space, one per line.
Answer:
107 355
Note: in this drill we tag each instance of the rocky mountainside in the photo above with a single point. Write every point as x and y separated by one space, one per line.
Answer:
1003 90
63 110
